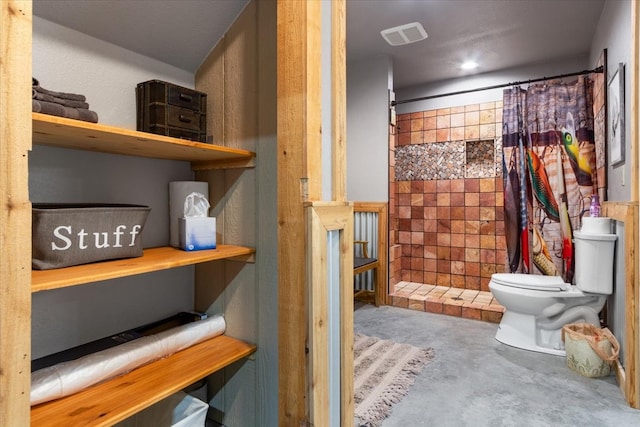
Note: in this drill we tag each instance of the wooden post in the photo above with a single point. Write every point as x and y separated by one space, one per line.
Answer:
635 100
339 96
15 213
299 94
299 137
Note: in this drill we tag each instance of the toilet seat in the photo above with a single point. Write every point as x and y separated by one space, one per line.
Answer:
531 281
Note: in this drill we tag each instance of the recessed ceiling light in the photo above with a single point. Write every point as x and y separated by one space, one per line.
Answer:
404 34
469 65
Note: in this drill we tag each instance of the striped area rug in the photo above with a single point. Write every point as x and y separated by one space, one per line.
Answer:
383 372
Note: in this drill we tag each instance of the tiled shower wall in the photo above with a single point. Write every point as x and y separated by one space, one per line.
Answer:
446 196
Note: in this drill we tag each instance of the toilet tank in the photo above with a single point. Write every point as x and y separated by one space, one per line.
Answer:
594 262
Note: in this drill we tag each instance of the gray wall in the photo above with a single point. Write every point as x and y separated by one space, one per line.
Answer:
68 61
614 34
368 84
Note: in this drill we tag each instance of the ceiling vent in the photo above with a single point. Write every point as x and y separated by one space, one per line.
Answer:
404 34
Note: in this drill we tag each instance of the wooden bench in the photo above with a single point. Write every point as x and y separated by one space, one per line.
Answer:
363 262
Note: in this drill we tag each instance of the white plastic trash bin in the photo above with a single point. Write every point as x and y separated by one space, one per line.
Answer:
177 410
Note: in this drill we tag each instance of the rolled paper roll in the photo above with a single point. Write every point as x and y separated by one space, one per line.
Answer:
66 378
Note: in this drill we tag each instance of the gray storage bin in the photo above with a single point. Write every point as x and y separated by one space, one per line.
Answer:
70 234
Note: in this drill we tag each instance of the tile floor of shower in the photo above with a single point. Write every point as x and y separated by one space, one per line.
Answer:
466 303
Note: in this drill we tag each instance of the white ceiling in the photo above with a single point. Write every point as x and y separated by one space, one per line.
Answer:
498 34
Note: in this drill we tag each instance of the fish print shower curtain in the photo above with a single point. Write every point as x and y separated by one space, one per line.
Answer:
549 164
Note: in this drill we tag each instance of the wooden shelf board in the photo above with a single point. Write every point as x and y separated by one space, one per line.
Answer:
68 133
112 401
154 259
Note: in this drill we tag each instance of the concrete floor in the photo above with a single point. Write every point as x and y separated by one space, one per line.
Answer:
474 380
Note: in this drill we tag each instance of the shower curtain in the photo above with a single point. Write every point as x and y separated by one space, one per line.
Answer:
549 164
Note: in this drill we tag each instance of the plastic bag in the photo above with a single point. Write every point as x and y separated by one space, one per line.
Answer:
590 350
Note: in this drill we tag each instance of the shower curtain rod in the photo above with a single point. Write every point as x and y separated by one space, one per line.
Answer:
599 69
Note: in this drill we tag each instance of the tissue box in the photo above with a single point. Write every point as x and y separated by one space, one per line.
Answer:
197 233
69 234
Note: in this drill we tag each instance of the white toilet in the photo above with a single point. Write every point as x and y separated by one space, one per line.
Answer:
537 307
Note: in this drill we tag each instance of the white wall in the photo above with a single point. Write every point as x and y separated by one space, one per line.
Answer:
368 83
614 34
68 61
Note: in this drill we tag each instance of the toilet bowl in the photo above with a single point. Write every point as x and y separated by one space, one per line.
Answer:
537 307
534 316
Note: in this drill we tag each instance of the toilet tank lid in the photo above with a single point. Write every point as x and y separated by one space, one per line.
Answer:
531 281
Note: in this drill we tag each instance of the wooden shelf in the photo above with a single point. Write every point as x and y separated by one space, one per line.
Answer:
154 259
67 133
112 401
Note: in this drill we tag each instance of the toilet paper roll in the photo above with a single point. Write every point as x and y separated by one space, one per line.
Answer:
596 225
178 192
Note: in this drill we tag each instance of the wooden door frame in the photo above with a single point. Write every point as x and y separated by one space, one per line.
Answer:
325 217
299 132
628 212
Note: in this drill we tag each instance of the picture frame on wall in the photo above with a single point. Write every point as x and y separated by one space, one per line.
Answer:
615 117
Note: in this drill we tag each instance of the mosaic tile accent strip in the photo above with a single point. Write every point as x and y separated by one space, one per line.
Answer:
423 162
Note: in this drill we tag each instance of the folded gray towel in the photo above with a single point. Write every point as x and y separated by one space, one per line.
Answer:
54 109
63 95
66 102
